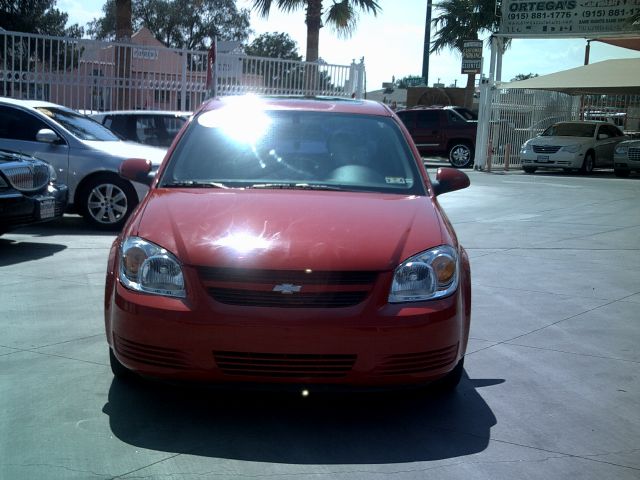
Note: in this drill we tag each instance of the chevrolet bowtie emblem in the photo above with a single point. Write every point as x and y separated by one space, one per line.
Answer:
287 288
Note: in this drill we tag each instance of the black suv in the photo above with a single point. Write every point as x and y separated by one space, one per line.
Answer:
28 192
442 131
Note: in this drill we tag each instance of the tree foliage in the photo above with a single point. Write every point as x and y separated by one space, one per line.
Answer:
524 76
341 16
36 16
274 45
179 23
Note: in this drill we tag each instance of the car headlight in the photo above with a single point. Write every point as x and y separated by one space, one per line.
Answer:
53 176
146 267
426 276
571 148
525 148
622 149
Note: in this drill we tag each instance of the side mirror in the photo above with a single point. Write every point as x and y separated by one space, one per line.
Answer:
137 169
47 135
449 180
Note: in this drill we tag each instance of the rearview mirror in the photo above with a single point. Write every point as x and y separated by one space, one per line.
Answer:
46 135
449 180
137 169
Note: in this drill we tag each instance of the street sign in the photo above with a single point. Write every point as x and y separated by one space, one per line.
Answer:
472 56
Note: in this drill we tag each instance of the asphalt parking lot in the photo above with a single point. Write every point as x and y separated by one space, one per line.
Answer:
551 388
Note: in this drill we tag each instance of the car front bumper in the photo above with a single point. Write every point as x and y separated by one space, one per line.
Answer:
19 209
552 160
626 162
366 345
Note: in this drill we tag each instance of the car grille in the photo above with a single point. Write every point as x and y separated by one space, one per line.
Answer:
151 355
546 148
28 179
283 365
634 154
287 288
412 363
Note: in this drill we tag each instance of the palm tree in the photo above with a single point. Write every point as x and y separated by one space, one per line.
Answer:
342 16
461 20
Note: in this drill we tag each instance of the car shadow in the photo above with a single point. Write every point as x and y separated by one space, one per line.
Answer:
67 225
13 252
287 428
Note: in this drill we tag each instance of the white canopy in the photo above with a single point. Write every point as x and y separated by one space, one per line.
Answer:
608 77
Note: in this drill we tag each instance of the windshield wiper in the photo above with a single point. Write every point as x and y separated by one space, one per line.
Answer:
195 184
295 186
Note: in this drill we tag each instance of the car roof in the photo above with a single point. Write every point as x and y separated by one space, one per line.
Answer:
142 112
584 122
30 103
317 104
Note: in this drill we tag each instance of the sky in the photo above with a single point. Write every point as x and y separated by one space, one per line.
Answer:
392 43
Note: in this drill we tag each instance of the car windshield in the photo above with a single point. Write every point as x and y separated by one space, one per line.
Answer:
570 130
294 149
81 126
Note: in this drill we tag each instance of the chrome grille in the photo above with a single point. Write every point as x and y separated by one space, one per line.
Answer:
634 154
546 148
284 365
28 179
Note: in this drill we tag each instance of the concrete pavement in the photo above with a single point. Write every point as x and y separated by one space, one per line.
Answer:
551 388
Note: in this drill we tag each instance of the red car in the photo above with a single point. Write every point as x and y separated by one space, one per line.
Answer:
290 241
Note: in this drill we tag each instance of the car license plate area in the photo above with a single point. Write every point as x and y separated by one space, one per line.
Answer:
542 159
46 208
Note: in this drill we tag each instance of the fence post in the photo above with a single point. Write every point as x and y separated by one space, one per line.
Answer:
360 90
507 156
183 95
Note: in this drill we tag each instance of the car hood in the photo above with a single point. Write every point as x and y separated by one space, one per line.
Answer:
562 141
126 150
290 229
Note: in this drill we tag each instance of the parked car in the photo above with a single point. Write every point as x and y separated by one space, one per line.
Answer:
626 158
85 155
442 131
29 191
295 242
579 145
151 127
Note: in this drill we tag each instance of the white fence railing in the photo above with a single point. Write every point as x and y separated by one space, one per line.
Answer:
95 76
517 115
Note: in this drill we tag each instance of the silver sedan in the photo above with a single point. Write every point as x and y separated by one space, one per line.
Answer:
85 155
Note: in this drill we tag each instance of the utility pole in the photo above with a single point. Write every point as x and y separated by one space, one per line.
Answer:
427 44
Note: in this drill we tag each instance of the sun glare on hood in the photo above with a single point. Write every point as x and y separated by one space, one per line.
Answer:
244 242
243 120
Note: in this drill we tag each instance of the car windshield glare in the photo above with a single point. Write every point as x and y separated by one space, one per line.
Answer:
81 126
294 149
570 130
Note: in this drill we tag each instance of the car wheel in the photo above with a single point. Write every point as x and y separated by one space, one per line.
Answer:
119 371
622 173
107 201
461 155
529 169
588 163
450 381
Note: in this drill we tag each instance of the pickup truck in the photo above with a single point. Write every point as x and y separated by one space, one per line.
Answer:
442 132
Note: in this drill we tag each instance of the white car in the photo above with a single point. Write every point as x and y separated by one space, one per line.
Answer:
626 158
572 146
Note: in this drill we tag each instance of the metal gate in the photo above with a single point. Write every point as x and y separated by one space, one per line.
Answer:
89 75
517 115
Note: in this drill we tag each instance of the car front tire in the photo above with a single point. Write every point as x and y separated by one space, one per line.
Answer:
529 169
106 201
620 172
588 164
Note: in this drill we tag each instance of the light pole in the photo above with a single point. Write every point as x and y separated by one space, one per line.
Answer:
427 44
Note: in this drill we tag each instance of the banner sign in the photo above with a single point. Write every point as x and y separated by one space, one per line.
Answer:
567 18
472 56
145 53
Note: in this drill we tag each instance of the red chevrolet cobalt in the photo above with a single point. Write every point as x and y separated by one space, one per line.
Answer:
295 242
